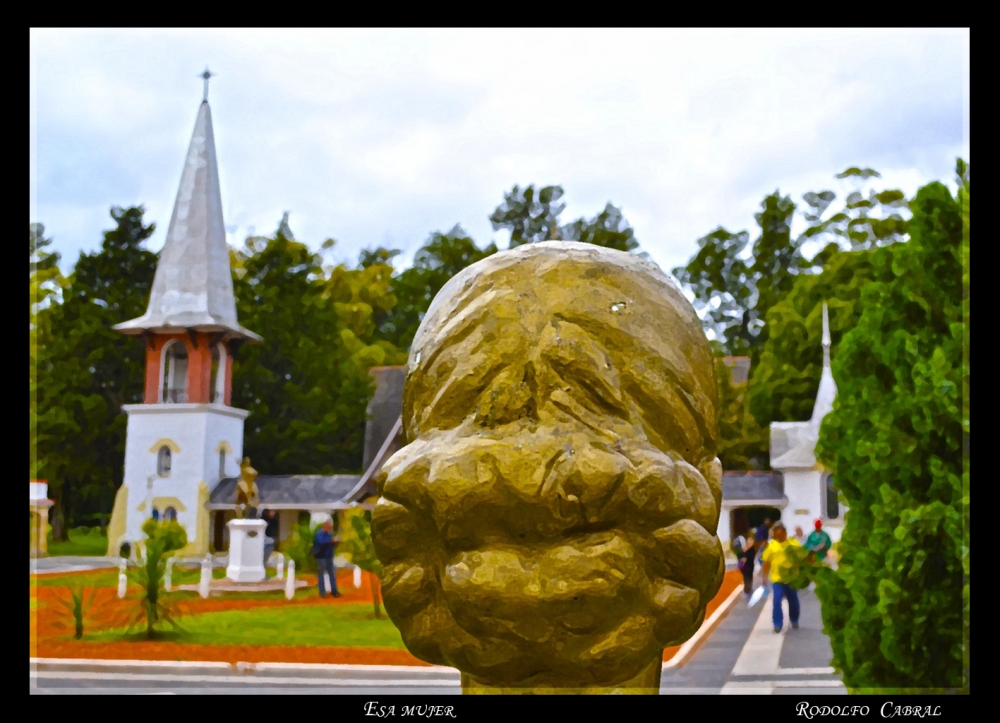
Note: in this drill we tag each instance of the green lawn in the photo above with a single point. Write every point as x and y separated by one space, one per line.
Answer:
333 625
98 578
82 542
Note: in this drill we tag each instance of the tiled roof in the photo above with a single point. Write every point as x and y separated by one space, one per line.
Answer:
767 485
287 490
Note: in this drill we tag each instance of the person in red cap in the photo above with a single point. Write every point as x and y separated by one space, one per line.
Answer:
818 542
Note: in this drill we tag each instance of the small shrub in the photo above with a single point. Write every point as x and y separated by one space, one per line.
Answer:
298 547
361 552
154 607
78 604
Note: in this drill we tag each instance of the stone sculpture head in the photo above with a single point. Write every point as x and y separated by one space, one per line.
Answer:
551 523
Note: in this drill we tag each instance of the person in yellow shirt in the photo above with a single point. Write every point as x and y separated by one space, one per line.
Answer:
779 569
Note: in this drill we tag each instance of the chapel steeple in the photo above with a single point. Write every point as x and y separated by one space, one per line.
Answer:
186 436
827 387
193 286
190 323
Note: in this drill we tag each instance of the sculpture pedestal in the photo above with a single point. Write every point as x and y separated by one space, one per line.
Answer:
646 683
246 551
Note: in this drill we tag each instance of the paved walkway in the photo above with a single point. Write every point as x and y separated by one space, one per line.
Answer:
68 563
744 655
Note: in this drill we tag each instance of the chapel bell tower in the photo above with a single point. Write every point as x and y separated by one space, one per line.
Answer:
185 437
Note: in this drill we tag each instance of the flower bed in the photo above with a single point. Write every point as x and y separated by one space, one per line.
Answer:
50 638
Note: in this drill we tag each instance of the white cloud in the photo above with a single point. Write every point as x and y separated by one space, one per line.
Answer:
376 136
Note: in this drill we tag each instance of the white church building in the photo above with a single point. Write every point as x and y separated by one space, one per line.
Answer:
798 488
185 437
185 441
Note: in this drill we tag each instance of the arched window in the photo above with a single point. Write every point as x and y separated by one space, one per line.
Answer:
170 515
219 374
163 461
832 503
222 464
175 366
156 514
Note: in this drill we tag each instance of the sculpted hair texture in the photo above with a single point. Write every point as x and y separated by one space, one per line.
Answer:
552 520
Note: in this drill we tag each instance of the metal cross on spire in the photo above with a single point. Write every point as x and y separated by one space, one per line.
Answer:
206 75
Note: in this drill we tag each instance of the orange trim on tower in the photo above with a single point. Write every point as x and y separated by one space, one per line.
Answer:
200 370
153 371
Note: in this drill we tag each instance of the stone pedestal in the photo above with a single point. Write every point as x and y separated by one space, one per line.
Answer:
246 550
646 683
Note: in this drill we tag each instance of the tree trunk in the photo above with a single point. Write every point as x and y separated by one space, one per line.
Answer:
58 522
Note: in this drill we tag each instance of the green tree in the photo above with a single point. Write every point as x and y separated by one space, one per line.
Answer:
439 259
529 214
870 218
307 385
357 543
86 371
533 215
608 229
784 384
735 290
742 442
896 609
736 284
46 282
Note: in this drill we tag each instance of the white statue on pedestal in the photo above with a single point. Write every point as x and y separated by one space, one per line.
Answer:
246 551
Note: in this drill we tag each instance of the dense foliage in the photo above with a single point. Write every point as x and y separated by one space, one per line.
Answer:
358 546
306 386
83 371
897 607
764 299
741 439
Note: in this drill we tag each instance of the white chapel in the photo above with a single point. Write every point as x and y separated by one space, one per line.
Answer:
797 488
809 486
185 438
184 443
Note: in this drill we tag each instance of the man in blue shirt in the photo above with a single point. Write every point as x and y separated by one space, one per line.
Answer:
323 547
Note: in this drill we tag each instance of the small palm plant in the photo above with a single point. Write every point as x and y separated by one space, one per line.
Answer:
78 604
362 553
154 605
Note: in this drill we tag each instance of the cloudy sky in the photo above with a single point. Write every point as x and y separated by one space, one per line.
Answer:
383 136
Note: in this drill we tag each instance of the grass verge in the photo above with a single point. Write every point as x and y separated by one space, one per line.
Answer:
313 625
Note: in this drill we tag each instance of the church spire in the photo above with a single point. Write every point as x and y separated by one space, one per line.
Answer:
827 387
826 336
193 286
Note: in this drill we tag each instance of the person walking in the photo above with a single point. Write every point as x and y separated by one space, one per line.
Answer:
270 534
818 543
323 548
746 552
761 534
779 567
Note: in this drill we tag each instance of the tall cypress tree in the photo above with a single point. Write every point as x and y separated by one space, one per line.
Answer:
896 609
